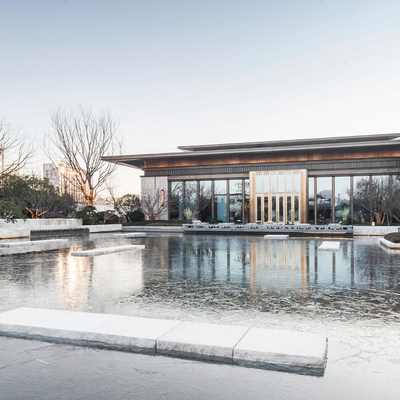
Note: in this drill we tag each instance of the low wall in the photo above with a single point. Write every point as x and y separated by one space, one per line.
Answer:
104 228
374 230
23 228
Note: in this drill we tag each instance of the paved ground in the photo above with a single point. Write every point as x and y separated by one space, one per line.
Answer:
39 370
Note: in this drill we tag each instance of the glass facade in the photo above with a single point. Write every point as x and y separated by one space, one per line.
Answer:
276 198
342 198
191 197
220 201
275 202
246 205
354 199
311 201
225 200
236 200
324 200
205 201
176 200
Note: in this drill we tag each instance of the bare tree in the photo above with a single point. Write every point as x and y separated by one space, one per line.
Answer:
14 150
79 139
154 203
374 197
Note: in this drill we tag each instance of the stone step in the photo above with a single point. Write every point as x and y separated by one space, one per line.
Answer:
128 235
299 352
105 250
329 246
31 243
273 237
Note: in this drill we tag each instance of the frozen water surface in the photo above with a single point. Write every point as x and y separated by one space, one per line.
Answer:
352 295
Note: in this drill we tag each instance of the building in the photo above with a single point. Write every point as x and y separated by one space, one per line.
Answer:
63 178
289 181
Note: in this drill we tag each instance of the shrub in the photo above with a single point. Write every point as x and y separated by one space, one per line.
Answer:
107 217
10 212
393 237
88 214
136 216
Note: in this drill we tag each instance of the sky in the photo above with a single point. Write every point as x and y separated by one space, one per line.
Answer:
179 72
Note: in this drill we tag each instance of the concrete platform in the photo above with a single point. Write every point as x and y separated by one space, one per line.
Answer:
99 330
273 237
10 248
128 235
31 243
299 352
282 350
106 250
201 341
388 245
329 246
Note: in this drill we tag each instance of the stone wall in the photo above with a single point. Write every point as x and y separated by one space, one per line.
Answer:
22 228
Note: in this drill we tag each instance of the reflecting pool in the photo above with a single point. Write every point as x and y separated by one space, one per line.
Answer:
210 274
351 295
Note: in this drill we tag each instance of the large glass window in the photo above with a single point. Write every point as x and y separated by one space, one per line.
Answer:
289 185
311 205
273 209
281 182
289 209
176 201
380 198
246 201
281 211
273 182
191 197
266 209
205 201
342 198
266 183
324 200
276 202
395 198
235 200
296 182
220 200
361 200
259 183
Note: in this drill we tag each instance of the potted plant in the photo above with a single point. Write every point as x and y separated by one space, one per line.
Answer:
345 213
188 213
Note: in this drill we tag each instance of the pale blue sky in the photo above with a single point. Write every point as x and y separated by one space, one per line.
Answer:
193 72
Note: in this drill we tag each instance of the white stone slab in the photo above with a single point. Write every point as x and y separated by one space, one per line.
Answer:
136 333
282 350
389 245
31 243
104 228
22 227
106 250
37 245
273 237
100 330
329 246
18 320
133 234
201 341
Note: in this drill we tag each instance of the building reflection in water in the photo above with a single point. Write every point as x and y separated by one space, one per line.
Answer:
280 266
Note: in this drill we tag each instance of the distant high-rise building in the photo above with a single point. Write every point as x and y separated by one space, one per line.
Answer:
63 178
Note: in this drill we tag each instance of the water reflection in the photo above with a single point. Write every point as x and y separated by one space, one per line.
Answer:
276 276
209 273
